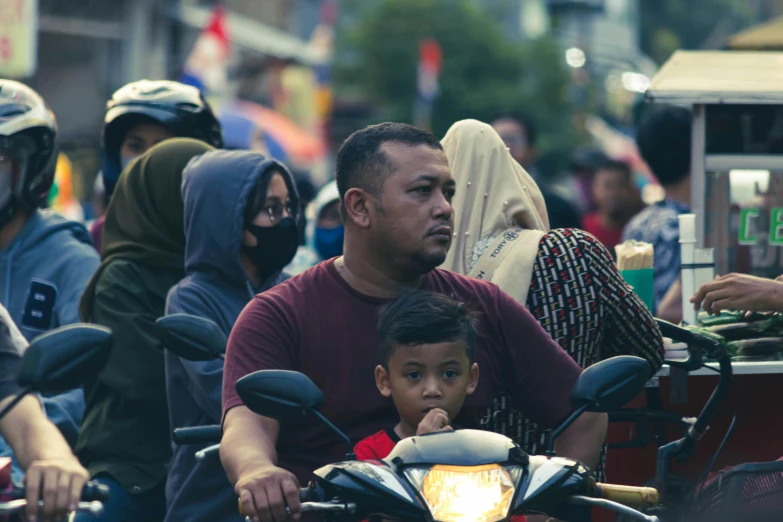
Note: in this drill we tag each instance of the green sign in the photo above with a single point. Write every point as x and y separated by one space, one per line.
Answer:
747 216
748 226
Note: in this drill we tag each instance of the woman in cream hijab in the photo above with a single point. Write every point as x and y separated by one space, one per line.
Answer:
565 277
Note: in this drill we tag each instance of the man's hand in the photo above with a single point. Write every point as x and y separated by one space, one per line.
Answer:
265 494
739 292
58 482
436 420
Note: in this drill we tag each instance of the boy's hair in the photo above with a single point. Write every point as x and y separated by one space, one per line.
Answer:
421 317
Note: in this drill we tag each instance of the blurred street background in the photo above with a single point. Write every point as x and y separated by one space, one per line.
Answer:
295 77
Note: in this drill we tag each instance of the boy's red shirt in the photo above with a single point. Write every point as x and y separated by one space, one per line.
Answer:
378 446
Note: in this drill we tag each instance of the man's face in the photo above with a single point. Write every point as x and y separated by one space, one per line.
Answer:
140 138
611 188
514 136
412 223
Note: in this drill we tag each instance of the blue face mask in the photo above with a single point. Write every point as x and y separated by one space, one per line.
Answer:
329 241
124 162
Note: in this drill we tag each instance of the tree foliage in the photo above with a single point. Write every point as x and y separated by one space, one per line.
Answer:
484 73
668 25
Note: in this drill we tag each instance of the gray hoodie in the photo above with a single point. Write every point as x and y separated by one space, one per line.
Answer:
43 272
215 190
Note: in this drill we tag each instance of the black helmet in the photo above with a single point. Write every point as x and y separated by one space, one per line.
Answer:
28 138
178 107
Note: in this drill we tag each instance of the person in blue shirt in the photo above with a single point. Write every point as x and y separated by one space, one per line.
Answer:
664 141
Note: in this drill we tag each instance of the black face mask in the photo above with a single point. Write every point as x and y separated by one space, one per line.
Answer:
276 246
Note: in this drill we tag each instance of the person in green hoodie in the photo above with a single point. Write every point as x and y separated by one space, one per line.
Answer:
124 441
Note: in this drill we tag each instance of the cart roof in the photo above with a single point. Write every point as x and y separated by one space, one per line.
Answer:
709 77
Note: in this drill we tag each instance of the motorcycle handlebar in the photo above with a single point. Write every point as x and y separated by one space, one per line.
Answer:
197 435
91 492
627 495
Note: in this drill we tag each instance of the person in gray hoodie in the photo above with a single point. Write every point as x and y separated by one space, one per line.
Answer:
241 213
45 260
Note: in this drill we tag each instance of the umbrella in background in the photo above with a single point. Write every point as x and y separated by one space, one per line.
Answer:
248 125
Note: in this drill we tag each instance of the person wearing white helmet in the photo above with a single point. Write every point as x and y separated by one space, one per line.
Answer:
142 114
45 262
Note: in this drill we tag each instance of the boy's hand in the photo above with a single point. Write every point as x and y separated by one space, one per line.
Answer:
436 420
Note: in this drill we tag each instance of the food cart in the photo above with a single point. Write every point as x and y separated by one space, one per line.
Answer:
737 198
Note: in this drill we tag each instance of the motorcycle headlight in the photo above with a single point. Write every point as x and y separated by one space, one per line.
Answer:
466 494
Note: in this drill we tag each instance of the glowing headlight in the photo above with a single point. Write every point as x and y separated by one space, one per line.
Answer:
466 494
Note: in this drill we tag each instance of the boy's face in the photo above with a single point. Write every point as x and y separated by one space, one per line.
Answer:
423 377
611 188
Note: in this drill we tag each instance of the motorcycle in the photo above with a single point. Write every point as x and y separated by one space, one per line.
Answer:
753 490
194 339
55 362
464 474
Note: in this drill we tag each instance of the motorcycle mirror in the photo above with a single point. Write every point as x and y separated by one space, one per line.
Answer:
605 386
284 395
610 384
61 359
279 394
192 338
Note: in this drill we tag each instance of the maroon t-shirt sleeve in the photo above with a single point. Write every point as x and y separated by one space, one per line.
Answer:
543 373
262 339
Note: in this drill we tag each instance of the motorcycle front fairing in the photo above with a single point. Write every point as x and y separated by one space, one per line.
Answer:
466 474
374 487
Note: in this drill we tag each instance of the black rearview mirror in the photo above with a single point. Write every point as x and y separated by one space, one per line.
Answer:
603 387
610 384
192 338
284 395
279 394
62 359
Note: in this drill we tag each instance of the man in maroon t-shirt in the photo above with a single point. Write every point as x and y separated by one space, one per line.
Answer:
396 190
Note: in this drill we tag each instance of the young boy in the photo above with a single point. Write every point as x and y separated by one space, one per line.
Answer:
428 346
428 367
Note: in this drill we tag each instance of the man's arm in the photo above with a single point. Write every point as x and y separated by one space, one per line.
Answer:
739 292
584 439
247 451
42 451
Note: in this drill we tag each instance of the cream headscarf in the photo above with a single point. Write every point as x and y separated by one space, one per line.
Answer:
495 197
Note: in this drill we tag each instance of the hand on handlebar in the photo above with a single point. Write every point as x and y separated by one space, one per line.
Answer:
265 494
58 482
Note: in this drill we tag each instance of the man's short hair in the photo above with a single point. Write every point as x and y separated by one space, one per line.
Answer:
420 317
361 163
531 133
664 141
617 166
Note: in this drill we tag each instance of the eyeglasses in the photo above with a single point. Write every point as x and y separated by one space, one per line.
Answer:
276 211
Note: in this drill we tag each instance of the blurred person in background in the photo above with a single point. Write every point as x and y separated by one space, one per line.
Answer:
45 259
565 278
142 114
125 438
664 141
520 138
583 167
613 193
324 231
240 231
